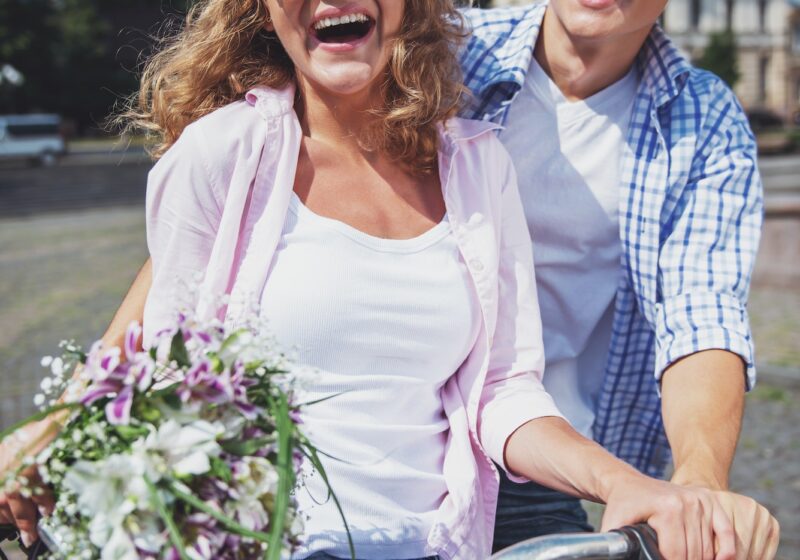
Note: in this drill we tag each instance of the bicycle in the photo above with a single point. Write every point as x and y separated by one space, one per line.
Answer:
629 543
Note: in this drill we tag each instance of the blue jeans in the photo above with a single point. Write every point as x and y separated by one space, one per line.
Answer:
525 511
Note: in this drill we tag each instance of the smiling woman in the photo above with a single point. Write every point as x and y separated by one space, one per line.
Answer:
228 47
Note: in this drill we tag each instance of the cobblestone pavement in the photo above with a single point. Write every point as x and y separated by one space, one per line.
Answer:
64 274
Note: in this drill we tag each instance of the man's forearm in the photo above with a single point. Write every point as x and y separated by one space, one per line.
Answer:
702 405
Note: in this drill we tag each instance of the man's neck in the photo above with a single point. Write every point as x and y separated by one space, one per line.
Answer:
583 67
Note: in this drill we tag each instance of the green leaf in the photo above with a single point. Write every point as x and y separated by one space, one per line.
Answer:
130 433
311 452
245 448
221 470
216 363
285 428
232 339
178 352
150 414
173 401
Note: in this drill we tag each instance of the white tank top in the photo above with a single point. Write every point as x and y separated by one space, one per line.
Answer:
386 322
567 158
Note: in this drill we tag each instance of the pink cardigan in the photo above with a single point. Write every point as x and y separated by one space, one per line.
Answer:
216 204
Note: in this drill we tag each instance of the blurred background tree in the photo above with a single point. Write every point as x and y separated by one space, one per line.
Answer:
720 57
77 57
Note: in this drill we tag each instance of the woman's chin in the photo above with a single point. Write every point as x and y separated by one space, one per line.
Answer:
347 79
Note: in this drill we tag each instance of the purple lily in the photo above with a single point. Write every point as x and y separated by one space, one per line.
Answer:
240 384
202 383
112 377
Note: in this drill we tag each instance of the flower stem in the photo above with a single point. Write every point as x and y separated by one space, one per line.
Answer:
36 417
278 521
172 529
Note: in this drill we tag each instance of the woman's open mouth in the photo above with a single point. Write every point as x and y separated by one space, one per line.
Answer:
343 29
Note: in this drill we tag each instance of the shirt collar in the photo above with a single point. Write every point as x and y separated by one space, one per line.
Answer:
663 68
509 56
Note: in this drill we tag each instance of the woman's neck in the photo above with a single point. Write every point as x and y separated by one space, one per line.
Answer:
335 119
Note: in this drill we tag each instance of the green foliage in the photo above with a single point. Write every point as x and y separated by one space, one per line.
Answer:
720 57
77 56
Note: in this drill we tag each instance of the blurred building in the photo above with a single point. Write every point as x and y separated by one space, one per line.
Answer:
768 39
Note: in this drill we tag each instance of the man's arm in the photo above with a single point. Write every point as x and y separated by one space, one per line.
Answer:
702 406
704 344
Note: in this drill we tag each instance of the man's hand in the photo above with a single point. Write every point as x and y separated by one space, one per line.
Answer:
690 522
757 531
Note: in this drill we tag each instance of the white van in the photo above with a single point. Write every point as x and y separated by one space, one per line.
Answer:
33 137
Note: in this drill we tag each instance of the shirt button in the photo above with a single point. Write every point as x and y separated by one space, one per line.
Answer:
475 219
476 265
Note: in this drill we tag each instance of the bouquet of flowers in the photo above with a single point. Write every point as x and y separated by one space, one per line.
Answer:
189 450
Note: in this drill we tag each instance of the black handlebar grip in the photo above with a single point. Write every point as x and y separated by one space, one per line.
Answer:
10 533
643 538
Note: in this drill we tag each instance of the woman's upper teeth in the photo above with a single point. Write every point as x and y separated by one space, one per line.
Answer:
330 22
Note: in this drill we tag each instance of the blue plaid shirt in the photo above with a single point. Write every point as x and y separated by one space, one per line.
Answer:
691 207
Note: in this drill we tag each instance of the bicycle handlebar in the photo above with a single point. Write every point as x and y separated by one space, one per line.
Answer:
629 543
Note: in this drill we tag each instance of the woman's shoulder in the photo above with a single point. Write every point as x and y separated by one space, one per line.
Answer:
229 137
242 124
479 148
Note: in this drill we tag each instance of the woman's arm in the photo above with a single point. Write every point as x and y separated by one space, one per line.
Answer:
131 309
15 508
182 216
688 521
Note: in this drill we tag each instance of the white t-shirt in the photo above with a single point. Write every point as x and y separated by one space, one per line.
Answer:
567 158
386 322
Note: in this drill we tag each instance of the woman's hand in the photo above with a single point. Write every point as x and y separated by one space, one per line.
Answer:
691 523
21 506
23 509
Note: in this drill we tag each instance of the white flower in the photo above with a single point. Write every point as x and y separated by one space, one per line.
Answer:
46 361
119 546
147 532
57 367
47 384
108 491
39 399
185 449
255 481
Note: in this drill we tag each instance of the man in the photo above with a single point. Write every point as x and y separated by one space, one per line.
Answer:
639 181
638 175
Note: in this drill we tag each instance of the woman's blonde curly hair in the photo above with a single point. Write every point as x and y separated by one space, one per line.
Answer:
223 50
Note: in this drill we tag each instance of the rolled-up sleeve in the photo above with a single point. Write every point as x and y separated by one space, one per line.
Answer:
513 393
182 216
707 258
